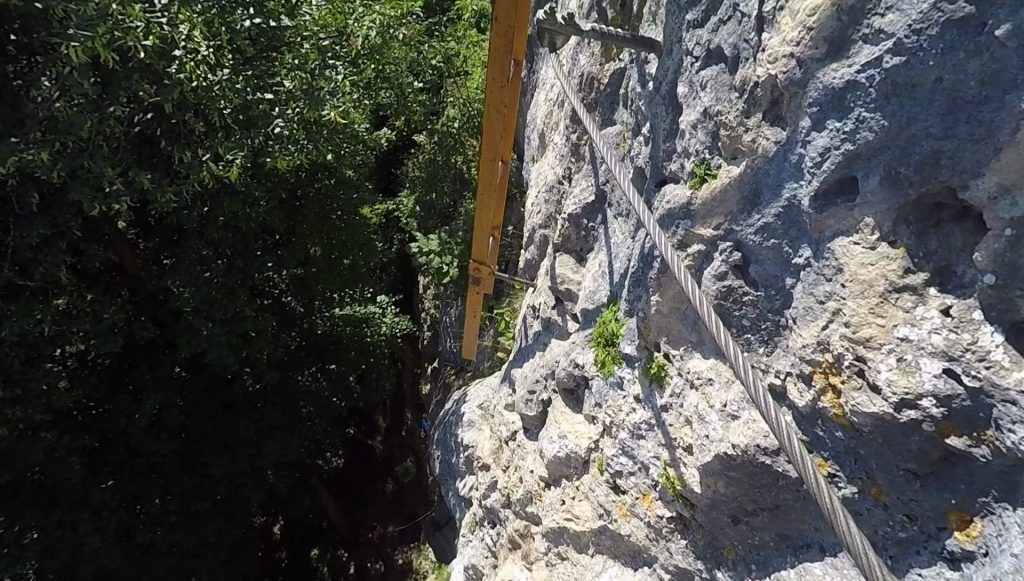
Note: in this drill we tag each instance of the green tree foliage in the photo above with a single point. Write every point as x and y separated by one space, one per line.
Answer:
438 178
202 204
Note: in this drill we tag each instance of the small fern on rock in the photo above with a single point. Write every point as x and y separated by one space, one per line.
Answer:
656 370
703 172
671 482
604 341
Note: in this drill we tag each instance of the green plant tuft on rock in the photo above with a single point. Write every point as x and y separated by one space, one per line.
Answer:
671 483
504 318
703 172
605 340
442 572
500 325
656 370
423 566
599 464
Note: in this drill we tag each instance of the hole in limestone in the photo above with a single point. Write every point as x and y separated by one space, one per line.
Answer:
860 370
774 112
733 64
940 232
574 317
873 388
714 56
844 190
742 271
573 398
954 376
666 180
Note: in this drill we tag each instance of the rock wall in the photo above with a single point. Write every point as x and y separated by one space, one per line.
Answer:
863 242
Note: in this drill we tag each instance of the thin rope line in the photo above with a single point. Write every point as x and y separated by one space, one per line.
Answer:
405 526
856 544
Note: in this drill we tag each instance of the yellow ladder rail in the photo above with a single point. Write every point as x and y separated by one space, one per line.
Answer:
510 20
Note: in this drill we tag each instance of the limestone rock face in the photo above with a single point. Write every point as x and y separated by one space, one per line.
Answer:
864 241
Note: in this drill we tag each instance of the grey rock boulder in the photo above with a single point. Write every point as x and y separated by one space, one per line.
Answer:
862 241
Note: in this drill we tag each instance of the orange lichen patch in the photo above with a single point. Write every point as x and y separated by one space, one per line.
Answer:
832 396
730 556
623 512
647 501
823 465
965 527
826 374
947 429
876 491
872 488
828 379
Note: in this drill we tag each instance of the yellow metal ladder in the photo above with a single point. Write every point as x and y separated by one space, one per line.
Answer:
510 22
